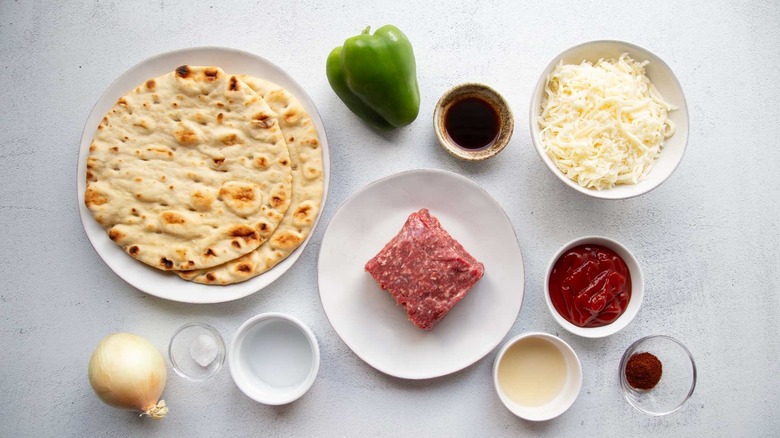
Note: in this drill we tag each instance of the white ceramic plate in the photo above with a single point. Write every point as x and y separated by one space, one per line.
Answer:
150 280
367 318
664 80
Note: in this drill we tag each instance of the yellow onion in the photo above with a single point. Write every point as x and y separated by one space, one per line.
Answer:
128 372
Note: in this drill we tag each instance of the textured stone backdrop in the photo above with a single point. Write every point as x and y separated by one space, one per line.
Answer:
707 239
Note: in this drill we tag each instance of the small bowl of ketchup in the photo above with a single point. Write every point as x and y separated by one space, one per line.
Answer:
594 287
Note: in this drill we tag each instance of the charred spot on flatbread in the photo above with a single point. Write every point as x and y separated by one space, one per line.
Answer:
171 218
116 235
185 135
244 267
93 198
241 198
183 71
244 232
211 73
286 240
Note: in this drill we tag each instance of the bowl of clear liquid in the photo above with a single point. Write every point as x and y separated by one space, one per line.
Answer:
274 358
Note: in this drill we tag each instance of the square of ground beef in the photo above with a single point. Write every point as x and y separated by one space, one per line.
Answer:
425 269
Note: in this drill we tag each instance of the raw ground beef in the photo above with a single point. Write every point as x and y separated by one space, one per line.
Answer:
425 269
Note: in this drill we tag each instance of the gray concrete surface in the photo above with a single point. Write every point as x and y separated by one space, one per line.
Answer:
707 239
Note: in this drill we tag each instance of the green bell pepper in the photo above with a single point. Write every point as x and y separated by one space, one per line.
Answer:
376 77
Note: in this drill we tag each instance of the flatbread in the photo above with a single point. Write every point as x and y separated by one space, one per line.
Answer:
307 190
189 170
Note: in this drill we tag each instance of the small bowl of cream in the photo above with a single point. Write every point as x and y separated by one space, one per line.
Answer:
274 358
537 376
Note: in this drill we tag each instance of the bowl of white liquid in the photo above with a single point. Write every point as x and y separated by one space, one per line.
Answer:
274 358
537 376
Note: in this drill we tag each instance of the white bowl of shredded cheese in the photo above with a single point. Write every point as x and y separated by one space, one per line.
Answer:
609 118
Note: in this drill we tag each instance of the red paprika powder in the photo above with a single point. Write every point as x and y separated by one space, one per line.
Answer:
643 371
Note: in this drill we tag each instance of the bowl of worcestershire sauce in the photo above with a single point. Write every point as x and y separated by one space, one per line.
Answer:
473 122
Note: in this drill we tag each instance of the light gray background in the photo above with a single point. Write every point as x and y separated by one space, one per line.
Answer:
707 239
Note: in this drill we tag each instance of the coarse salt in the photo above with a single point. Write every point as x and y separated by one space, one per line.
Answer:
204 350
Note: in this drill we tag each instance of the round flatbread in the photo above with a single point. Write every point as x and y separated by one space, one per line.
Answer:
307 190
189 170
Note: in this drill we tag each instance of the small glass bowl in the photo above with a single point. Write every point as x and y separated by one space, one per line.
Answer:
182 358
678 376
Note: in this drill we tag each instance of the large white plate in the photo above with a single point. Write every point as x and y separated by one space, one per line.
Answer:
367 318
150 280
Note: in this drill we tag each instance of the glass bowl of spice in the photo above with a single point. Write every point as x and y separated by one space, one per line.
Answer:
657 375
197 351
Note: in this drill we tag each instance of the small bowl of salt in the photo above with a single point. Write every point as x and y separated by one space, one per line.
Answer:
197 351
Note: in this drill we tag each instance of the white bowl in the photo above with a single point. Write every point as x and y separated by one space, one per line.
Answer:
568 393
664 80
634 303
274 358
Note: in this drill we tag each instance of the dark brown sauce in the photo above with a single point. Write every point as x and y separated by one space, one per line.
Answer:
472 123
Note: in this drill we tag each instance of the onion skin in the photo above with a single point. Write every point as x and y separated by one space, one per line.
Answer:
127 371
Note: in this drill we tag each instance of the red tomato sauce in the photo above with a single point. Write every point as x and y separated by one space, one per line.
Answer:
590 286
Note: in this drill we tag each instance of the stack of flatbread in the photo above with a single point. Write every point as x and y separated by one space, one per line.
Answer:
215 177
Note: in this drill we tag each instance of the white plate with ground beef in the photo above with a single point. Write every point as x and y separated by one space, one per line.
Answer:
368 319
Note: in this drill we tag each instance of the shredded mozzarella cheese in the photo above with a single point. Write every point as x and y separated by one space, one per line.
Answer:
605 123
